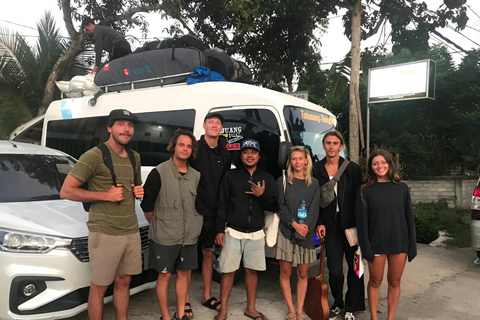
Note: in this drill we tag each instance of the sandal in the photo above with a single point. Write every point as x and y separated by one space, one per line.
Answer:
291 316
188 310
212 303
301 317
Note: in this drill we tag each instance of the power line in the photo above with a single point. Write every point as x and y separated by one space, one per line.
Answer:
17 24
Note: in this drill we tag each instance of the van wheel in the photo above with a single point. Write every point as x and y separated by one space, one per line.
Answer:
217 274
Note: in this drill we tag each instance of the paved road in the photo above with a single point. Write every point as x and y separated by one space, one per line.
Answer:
439 284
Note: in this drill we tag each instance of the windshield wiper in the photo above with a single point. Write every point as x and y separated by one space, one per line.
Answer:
54 196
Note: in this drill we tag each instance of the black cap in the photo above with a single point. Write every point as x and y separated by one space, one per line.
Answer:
121 114
214 115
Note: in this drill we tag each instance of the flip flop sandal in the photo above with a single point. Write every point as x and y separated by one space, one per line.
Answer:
188 310
211 305
260 316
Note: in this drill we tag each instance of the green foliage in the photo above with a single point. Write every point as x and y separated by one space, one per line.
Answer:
432 217
276 37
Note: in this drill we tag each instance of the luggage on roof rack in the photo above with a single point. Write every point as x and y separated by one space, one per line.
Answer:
150 68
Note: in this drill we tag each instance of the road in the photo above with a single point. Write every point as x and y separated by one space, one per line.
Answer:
440 283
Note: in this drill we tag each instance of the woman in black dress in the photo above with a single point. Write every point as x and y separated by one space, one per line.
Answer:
386 228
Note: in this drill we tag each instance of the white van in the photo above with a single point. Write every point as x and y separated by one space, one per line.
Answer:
275 119
73 126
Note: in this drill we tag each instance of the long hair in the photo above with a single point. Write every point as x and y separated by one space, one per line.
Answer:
182 132
371 178
307 171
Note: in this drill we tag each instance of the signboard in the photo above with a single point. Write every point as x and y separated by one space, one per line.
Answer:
413 80
299 94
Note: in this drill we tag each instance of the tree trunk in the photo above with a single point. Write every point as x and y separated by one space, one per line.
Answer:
354 83
57 73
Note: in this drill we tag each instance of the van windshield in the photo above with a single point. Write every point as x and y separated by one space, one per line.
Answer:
307 128
28 177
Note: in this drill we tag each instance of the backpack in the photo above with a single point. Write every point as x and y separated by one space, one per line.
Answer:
107 160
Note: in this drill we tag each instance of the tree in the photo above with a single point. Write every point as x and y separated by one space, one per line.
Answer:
24 71
402 16
276 38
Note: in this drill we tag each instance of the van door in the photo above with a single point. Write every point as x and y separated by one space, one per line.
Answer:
259 123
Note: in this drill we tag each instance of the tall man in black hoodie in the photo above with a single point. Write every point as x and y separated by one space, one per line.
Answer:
332 222
212 161
244 195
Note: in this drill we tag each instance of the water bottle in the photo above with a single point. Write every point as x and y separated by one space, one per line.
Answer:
301 216
302 212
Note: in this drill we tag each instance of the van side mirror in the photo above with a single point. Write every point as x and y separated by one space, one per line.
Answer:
283 152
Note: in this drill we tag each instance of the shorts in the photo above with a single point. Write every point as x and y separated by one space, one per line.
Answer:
112 255
209 233
165 259
253 252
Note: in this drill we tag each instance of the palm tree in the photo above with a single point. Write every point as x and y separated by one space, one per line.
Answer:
24 71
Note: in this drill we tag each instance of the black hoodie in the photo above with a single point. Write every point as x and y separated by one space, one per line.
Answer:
242 211
212 163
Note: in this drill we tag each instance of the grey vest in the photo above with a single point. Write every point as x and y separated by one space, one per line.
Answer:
175 220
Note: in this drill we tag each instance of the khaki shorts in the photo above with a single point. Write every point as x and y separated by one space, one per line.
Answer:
253 252
114 255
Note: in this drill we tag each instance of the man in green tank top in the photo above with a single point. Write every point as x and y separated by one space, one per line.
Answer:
114 240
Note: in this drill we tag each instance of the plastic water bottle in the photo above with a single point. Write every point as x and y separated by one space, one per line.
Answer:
302 212
301 216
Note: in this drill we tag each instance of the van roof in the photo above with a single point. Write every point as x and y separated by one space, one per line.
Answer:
179 96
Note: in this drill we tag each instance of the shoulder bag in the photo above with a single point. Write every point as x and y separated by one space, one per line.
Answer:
272 221
327 191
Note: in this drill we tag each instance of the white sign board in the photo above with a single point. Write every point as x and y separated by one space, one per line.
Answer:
300 94
414 80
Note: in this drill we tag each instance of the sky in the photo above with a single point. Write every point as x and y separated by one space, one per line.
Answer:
334 44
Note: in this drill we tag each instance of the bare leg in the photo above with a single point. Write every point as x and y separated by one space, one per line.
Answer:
251 281
226 286
396 265
207 269
181 290
121 296
376 269
95 301
187 298
302 274
285 273
162 293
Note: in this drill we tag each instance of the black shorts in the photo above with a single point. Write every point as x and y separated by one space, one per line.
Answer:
165 259
209 232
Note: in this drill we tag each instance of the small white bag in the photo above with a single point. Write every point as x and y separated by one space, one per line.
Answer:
272 220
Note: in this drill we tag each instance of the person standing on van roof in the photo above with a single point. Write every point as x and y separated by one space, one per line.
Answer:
106 39
114 243
332 222
244 195
212 161
175 225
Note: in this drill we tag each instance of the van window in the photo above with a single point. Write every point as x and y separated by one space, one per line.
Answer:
150 139
307 128
258 124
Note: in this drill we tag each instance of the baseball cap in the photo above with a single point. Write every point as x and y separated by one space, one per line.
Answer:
214 115
121 114
250 143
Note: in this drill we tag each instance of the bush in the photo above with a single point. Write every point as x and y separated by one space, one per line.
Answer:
434 216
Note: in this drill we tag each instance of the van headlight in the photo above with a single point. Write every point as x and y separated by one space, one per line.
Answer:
14 241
